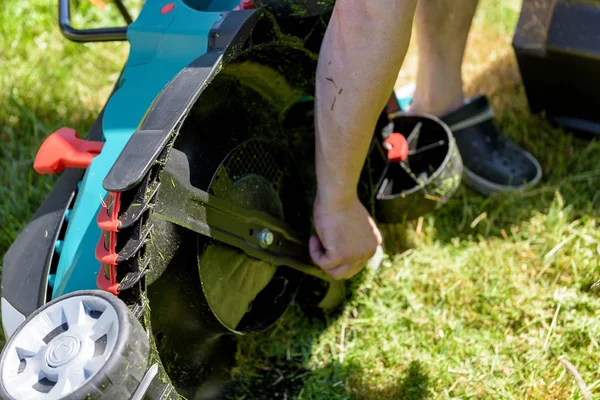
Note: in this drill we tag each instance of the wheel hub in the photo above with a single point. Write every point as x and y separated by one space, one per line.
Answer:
58 350
61 350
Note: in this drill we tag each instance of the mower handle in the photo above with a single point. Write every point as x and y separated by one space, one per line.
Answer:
91 35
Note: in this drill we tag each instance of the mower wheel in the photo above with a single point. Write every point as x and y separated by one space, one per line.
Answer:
83 345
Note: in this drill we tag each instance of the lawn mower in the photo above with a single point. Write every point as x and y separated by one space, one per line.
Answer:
181 220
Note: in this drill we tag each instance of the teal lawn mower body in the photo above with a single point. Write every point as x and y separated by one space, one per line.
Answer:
162 44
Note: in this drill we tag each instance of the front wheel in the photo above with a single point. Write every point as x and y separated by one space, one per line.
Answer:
83 345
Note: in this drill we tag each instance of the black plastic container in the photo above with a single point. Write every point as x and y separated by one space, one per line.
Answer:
557 44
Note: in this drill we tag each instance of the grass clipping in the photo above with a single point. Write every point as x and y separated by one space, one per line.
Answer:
231 281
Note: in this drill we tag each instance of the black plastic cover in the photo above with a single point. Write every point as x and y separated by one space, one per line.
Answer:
172 105
558 52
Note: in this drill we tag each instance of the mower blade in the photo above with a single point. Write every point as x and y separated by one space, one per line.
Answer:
182 204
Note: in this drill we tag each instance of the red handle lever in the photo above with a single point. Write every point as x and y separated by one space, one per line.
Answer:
62 150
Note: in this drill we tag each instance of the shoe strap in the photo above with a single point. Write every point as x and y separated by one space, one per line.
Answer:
485 115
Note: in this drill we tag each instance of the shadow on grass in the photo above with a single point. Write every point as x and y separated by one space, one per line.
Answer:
276 364
570 166
414 385
290 380
272 364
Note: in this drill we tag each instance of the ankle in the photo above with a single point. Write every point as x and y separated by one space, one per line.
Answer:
436 105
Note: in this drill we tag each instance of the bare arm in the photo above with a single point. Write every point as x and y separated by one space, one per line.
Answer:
360 57
361 54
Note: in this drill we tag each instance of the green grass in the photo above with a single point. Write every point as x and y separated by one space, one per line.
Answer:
482 298
45 82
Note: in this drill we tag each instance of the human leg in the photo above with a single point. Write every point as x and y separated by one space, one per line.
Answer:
442 30
493 163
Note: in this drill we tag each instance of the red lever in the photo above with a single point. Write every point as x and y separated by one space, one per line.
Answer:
62 150
397 147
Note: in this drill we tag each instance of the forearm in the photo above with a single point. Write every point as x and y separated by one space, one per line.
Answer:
361 54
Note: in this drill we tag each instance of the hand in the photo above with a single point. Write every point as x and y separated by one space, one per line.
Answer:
347 237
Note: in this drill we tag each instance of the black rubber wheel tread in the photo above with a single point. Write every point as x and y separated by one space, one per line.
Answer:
123 371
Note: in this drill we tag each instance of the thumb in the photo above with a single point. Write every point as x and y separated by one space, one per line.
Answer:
316 249
319 254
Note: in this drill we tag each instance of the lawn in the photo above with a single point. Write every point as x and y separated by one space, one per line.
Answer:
487 299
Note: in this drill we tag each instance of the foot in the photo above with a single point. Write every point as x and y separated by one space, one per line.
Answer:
493 163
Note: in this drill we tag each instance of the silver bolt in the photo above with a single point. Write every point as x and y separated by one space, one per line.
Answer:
266 238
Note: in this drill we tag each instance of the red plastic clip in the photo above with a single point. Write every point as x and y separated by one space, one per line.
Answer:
63 149
104 255
104 283
108 221
397 147
99 4
109 260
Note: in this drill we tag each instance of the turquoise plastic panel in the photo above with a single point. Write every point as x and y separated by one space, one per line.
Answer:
405 95
161 45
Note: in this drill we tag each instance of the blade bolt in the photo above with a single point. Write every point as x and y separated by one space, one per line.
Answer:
266 238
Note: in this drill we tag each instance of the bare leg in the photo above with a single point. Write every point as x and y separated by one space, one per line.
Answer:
492 162
442 30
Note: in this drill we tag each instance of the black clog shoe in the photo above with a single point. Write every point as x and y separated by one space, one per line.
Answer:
492 162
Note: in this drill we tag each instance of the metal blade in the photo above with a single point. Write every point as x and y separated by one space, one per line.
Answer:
180 203
413 138
426 148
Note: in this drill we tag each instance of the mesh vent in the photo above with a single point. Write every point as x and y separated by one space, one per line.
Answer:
255 157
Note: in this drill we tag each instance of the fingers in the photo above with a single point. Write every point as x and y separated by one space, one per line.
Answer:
319 254
345 240
379 237
337 267
316 250
340 272
347 271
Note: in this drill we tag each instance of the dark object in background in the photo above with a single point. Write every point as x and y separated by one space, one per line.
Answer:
557 44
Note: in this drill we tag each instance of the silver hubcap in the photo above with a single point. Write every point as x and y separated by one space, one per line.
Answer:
60 349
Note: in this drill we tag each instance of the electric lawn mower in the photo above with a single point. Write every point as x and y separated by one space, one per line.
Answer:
182 219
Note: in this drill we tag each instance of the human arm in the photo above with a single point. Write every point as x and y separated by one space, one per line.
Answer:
360 57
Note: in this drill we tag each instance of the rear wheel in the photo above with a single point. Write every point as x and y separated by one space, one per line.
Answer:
83 345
